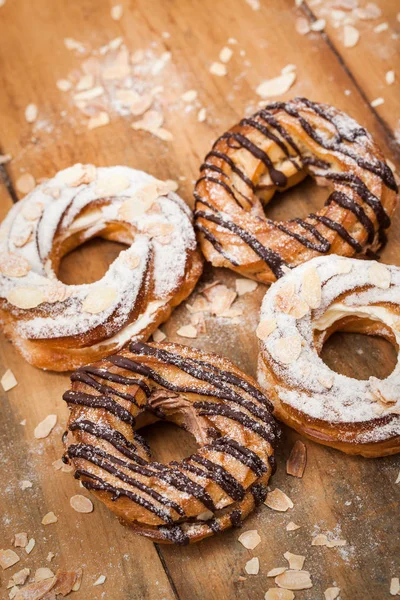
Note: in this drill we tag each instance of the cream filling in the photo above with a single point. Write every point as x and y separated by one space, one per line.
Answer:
339 310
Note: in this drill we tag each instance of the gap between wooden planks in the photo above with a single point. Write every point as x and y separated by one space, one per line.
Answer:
198 31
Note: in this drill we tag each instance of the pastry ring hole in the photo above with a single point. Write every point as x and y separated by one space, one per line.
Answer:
359 348
168 441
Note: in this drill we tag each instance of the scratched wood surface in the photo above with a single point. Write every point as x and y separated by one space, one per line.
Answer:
347 497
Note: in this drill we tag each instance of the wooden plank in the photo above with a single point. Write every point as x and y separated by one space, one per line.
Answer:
337 493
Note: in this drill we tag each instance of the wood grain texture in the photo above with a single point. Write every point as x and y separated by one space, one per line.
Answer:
351 497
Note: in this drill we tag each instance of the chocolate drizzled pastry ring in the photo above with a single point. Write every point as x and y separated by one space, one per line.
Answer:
298 314
226 411
272 151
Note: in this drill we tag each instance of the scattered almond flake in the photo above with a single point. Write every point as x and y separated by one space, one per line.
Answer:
276 571
158 335
379 275
254 4
8 380
43 573
390 77
202 115
49 518
25 183
78 175
45 427
100 580
250 539
117 12
395 586
252 566
20 540
226 54
331 593
351 35
25 484
327 382
160 63
291 526
30 546
21 576
36 590
318 25
302 26
276 86
141 104
278 500
50 556
187 331
99 299
279 594
294 580
8 558
102 118
296 561
81 504
288 349
25 297
152 120
381 27
245 286
64 85
31 113
189 96
322 540
297 460
288 69
5 158
72 44
265 328
218 69
377 102
398 478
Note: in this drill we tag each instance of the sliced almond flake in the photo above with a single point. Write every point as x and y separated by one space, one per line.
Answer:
252 567
394 586
36 590
117 12
276 571
398 478
158 335
250 539
205 516
291 526
294 580
311 287
377 102
20 540
265 328
276 86
25 183
8 380
288 302
72 44
351 35
331 593
25 484
81 504
379 275
381 27
288 349
49 518
322 540
278 500
132 261
43 573
202 115
141 104
226 54
152 120
99 299
200 304
21 576
163 134
390 77
55 291
288 69
50 556
94 92
102 118
45 427
296 561
8 558
64 85
23 236
218 68
279 594
77 175
189 96
187 331
5 158
318 25
25 297
112 185
302 26
100 580
31 113
30 546
343 266
297 460
220 297
245 286
327 381
32 211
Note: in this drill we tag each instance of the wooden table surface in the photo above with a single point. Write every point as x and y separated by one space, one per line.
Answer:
345 497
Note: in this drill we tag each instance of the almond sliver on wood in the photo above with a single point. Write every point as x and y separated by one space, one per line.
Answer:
297 460
278 500
45 427
294 580
81 504
276 86
8 380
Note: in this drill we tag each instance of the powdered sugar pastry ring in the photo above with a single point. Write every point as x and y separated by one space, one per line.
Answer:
59 327
298 314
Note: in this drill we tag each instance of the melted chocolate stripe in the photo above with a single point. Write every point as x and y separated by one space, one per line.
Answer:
182 482
346 202
277 177
241 453
100 402
224 185
100 387
102 459
319 109
272 122
213 240
209 474
114 437
233 166
115 378
222 477
273 259
174 534
339 229
213 409
322 247
267 133
325 243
